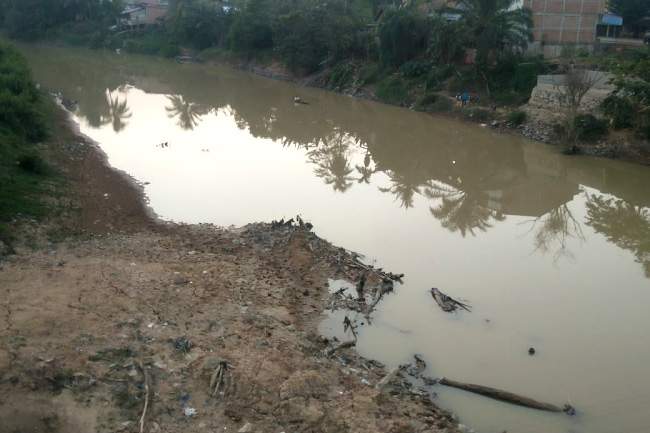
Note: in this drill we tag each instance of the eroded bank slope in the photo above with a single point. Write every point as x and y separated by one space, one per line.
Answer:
130 324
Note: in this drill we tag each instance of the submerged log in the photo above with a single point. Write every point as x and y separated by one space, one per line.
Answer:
447 303
507 397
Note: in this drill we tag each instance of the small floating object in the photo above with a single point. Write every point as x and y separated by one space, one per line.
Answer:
118 51
297 100
447 303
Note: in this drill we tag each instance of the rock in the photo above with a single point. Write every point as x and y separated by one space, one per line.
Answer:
179 281
211 363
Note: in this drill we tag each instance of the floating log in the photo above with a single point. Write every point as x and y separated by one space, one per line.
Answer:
447 303
507 397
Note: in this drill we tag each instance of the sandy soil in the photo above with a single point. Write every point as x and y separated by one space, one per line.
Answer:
133 325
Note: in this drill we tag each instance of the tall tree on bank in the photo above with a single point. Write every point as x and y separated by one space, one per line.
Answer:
494 26
633 12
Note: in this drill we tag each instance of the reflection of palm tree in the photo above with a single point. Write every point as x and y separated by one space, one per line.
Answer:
462 213
189 113
365 171
459 211
332 162
623 224
335 170
402 188
557 227
119 111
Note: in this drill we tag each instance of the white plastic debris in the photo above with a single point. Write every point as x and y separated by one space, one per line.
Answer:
190 411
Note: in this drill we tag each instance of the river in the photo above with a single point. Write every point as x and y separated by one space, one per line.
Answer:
551 251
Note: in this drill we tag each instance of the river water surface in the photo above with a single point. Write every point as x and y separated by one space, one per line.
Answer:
551 252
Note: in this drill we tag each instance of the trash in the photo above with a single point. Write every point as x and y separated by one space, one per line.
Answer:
150 325
365 382
247 428
186 399
447 303
182 344
189 411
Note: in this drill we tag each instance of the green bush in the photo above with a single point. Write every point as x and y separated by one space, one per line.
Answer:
412 69
620 110
517 117
392 90
342 76
590 128
438 75
371 75
435 103
169 50
32 163
21 104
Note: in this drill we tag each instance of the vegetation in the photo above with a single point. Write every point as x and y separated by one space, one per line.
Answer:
495 27
404 52
24 122
633 12
517 117
628 104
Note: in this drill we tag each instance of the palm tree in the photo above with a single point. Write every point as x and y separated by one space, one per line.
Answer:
493 25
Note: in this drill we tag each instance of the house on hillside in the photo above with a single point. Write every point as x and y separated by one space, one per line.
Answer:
141 13
561 23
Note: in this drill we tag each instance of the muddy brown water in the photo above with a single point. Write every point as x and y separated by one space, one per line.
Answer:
551 252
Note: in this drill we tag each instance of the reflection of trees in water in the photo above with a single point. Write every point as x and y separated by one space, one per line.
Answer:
623 224
365 171
331 157
554 230
402 187
189 113
118 111
459 211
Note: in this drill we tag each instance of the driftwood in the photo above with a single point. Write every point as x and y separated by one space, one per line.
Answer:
361 285
447 303
390 376
146 396
385 287
219 377
341 345
507 397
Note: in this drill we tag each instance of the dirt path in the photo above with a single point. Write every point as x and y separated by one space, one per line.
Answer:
127 312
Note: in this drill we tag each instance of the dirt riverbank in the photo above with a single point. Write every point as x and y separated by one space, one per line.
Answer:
130 324
541 122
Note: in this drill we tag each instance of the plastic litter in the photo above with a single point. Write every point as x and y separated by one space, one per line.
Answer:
190 411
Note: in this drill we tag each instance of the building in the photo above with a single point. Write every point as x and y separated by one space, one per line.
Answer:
143 12
558 23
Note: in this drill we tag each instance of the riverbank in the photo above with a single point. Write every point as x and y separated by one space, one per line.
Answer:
541 122
131 324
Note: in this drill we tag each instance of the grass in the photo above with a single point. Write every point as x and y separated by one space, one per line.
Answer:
28 182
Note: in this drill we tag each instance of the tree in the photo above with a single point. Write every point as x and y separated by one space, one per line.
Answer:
629 104
633 12
198 23
494 26
570 93
403 34
251 28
